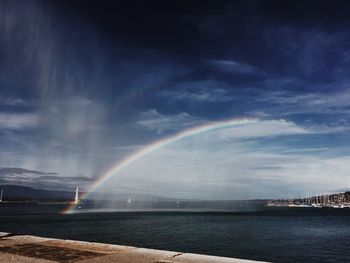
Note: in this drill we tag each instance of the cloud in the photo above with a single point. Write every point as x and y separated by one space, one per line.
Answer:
288 102
264 128
9 171
272 98
14 101
154 121
199 91
239 162
40 179
17 121
233 66
88 89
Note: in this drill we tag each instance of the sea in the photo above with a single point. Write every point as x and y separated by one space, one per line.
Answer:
289 235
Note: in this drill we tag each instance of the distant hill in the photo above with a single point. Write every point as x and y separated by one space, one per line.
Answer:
24 193
129 201
21 193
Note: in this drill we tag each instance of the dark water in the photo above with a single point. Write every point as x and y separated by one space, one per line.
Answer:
284 236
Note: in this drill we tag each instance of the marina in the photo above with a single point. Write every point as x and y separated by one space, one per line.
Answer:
336 201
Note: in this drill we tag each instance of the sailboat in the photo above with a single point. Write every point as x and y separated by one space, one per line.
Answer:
2 192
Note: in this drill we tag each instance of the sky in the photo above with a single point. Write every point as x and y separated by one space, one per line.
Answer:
85 84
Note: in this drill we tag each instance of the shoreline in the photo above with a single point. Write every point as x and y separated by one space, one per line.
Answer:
26 248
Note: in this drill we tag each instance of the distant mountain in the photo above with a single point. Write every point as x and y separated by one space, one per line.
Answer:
20 193
16 192
125 196
128 201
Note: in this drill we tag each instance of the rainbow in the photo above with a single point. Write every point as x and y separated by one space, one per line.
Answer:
152 147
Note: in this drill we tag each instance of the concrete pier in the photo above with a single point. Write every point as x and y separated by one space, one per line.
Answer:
25 249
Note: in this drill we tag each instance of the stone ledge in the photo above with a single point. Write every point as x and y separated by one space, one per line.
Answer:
23 249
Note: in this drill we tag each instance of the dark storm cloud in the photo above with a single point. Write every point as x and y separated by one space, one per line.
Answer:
143 24
244 44
241 43
254 32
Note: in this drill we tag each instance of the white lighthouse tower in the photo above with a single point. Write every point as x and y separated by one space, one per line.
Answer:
76 200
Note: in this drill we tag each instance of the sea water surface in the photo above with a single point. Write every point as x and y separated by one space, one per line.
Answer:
277 236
